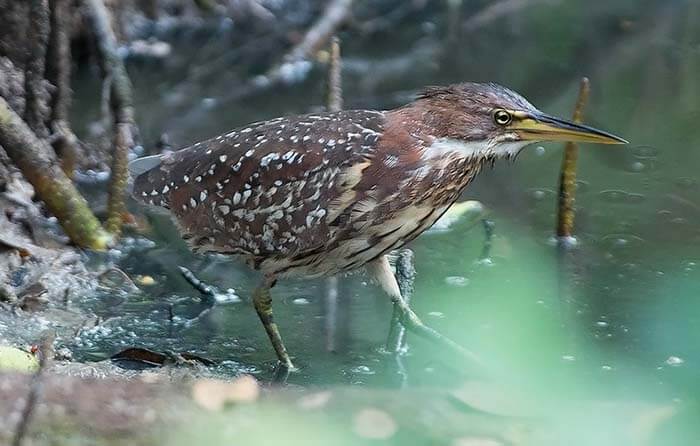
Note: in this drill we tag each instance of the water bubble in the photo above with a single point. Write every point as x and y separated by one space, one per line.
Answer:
569 358
637 166
362 370
674 361
540 194
540 151
436 314
301 301
458 281
601 324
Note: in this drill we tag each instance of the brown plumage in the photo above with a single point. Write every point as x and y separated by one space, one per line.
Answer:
324 193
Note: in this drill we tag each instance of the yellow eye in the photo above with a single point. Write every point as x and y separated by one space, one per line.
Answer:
502 117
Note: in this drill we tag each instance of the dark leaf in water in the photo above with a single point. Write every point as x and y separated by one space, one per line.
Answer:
136 357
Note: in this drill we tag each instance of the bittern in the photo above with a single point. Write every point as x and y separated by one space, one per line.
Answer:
327 193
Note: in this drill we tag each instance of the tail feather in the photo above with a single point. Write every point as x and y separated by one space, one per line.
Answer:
150 181
143 165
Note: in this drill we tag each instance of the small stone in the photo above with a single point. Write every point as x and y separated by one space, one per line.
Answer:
145 280
374 424
315 400
213 394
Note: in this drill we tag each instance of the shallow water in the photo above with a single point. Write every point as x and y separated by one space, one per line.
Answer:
617 318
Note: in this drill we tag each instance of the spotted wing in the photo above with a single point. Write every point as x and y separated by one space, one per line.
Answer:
269 189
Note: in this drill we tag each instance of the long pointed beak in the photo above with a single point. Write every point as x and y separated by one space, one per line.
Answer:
541 127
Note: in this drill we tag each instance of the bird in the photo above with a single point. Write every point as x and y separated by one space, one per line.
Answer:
327 193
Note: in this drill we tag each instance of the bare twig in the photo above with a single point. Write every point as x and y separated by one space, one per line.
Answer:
121 105
335 78
35 159
335 14
334 103
496 10
567 182
35 84
58 73
35 388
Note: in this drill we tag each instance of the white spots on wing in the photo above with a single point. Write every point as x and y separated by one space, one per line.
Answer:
289 156
236 198
267 159
315 216
247 130
165 189
154 192
224 209
193 203
203 196
219 186
198 179
249 153
278 183
223 158
186 179
306 138
184 207
236 167
245 195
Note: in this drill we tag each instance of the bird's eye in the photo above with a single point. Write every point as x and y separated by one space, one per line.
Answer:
502 117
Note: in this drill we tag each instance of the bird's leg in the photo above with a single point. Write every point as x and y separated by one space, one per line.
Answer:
263 305
381 270
405 275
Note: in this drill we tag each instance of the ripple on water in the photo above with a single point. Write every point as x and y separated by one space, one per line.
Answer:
644 158
621 197
618 242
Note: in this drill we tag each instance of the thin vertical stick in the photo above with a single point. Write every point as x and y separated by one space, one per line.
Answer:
335 77
567 181
334 104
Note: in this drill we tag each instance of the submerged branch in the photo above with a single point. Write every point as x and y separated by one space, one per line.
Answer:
121 105
567 181
34 158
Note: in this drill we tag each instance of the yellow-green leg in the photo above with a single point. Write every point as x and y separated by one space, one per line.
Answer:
263 305
381 270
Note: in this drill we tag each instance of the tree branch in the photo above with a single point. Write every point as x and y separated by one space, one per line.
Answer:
35 159
35 85
121 105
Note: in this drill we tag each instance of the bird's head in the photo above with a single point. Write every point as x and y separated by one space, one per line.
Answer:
491 121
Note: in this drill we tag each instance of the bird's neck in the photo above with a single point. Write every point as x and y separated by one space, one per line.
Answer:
434 161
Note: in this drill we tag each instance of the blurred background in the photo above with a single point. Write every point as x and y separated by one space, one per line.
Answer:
599 345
